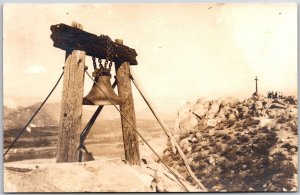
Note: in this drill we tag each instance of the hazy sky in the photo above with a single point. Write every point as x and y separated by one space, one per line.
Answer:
185 51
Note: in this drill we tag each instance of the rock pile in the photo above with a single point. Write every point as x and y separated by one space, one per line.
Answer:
234 145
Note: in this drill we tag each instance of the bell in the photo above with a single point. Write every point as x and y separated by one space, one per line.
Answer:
96 96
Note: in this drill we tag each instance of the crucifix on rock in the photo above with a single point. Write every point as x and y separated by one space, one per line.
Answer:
256 91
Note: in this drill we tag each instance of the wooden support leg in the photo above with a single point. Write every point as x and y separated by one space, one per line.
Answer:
71 106
131 144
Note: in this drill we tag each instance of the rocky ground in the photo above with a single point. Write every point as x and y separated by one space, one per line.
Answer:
105 174
234 145
101 175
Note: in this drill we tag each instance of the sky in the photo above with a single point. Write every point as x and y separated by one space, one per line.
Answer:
185 51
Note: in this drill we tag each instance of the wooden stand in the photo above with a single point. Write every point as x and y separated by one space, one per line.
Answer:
82 43
71 106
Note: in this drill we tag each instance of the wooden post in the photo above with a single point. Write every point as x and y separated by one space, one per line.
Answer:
71 105
131 144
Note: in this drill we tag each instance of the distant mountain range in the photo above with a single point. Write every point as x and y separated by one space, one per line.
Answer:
15 118
49 115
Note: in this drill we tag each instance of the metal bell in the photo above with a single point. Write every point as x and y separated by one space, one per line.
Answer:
96 96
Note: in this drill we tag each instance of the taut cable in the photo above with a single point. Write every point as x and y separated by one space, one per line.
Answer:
183 185
22 131
168 133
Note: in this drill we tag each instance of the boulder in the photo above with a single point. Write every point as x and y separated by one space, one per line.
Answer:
293 125
235 111
201 101
266 104
188 122
227 110
213 110
231 117
277 105
228 101
263 113
278 101
258 105
200 110
294 112
221 115
187 107
260 97
251 122
243 111
192 138
284 117
207 104
198 135
248 102
258 113
271 113
210 122
185 144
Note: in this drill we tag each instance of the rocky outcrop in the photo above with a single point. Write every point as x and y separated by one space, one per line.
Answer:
248 145
209 114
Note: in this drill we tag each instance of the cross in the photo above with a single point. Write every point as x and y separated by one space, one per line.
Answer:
256 79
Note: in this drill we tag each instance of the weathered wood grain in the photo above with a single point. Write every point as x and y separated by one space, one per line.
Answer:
71 38
71 106
130 139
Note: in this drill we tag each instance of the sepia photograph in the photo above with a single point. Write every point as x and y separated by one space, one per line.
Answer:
150 97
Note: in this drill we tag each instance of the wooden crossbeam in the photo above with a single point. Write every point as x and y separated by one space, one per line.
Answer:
70 38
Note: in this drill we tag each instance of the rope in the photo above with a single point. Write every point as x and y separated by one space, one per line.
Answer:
168 133
183 185
22 131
